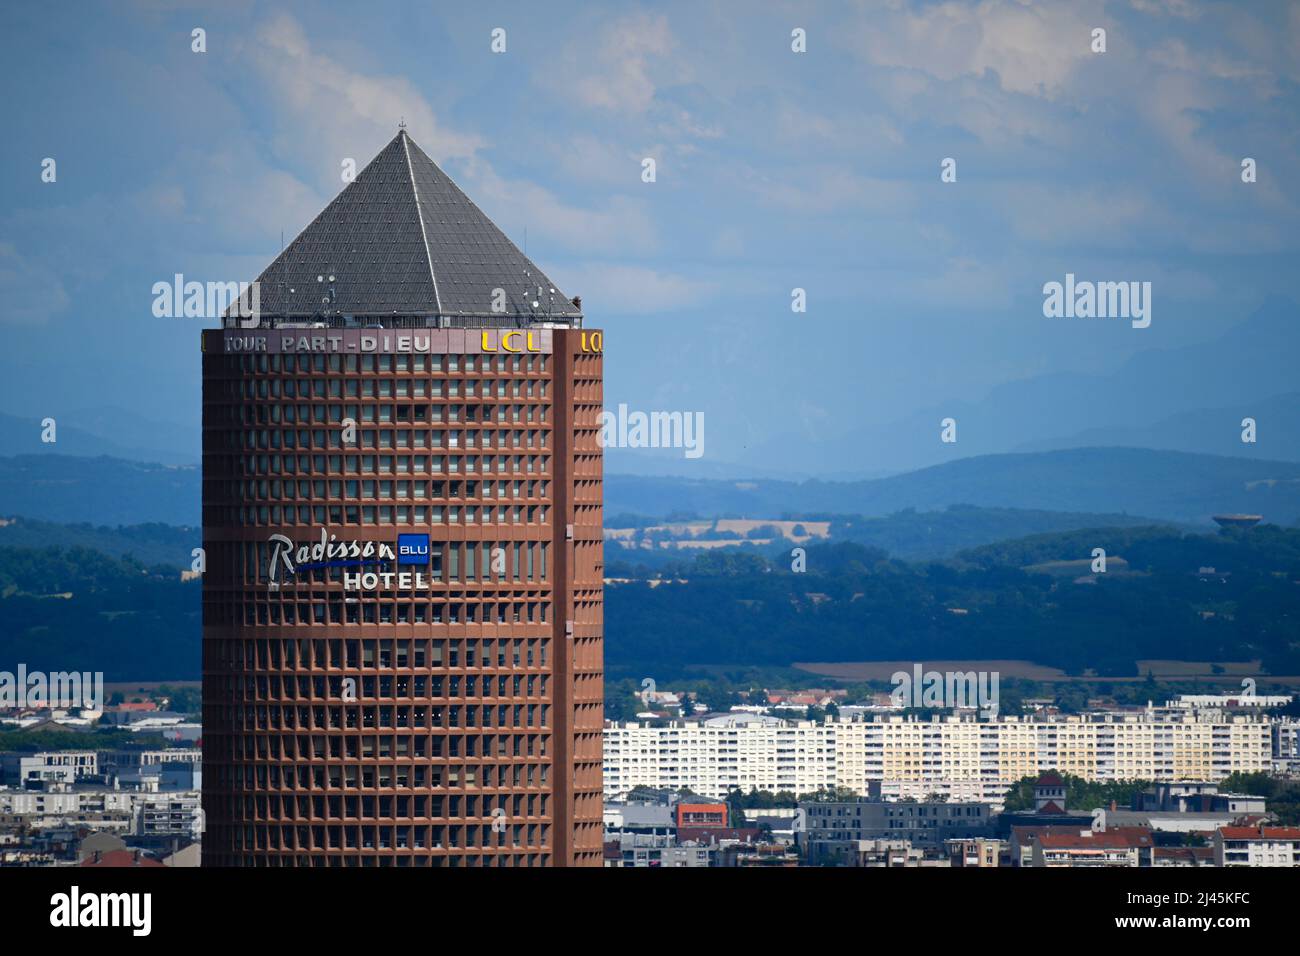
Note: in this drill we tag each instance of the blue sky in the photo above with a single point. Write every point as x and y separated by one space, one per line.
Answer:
775 170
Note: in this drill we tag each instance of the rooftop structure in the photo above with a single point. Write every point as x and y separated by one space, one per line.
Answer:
1238 521
402 247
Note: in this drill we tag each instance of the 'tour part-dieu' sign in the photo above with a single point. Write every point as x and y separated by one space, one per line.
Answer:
378 341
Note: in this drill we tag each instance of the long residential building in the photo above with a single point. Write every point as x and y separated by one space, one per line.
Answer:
958 756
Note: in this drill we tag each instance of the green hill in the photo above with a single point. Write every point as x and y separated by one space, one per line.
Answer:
148 543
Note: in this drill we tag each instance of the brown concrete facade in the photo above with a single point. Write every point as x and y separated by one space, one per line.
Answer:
372 698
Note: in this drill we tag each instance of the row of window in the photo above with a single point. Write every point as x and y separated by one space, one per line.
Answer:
402 837
247 390
389 858
249 415
247 778
256 717
321 746
420 515
318 613
452 362
332 438
381 489
398 687
518 806
385 653
256 465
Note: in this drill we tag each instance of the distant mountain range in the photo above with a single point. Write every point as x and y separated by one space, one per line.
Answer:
1248 371
1162 485
101 491
1165 485
1214 431
1189 399
102 431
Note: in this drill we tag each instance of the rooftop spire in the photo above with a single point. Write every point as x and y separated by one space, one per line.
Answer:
402 239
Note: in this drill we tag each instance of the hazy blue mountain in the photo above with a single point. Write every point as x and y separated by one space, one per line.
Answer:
1277 432
1162 485
909 535
1166 485
103 431
101 491
1247 368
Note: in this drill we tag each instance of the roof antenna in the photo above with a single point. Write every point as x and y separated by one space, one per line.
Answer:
283 266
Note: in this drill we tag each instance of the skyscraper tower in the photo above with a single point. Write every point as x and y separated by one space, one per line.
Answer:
402 602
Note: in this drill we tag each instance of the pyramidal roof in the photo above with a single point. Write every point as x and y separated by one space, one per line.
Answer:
402 239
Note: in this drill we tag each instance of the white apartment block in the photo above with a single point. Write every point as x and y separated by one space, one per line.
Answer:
960 756
712 758
1262 846
1286 738
116 759
64 766
176 814
69 803
1264 701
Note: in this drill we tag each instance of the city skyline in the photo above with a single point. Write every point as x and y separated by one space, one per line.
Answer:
805 435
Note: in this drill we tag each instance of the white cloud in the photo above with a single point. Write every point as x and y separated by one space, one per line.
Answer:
341 111
590 159
1033 48
617 71
608 289
622 225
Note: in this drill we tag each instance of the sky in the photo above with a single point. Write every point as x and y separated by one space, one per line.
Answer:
775 170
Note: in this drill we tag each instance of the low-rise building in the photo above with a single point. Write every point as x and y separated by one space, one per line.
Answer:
982 852
829 826
1182 856
625 850
1261 845
701 815
1120 847
54 766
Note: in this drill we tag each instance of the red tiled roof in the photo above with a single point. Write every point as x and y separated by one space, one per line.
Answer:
1250 820
1260 833
121 858
1050 778
1110 839
715 834
1051 806
1190 852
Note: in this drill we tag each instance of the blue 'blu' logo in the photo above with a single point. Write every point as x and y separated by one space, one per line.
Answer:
413 549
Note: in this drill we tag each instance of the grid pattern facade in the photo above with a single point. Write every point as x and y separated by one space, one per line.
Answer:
446 713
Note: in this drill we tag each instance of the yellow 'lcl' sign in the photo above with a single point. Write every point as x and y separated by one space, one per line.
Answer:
529 345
